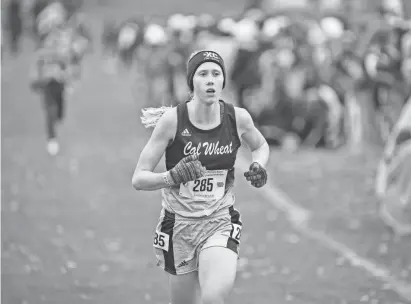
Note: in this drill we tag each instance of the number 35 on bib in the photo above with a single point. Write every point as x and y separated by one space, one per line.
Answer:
161 240
208 188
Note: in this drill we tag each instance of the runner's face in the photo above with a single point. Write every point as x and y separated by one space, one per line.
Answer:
208 82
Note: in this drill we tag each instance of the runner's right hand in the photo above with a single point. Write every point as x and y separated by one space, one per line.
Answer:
188 169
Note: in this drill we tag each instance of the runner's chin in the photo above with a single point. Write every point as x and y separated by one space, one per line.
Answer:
210 98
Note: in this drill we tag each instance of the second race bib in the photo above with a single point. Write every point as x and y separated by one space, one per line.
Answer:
208 188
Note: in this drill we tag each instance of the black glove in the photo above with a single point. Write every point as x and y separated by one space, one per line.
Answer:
257 175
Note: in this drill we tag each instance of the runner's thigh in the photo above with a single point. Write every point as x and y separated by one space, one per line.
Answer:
217 271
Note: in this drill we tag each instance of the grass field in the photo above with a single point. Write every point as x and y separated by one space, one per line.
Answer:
75 231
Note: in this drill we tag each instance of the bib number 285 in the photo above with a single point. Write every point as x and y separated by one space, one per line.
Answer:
161 240
202 185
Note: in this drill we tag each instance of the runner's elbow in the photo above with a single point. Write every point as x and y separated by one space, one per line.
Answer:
136 182
147 180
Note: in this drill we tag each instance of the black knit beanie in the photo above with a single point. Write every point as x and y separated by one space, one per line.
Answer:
198 59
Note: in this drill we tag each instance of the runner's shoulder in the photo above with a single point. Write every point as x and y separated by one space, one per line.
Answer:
242 117
167 124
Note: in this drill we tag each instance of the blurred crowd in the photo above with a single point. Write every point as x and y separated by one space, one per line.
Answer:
316 82
308 80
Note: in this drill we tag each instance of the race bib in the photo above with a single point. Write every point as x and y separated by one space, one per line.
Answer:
208 188
50 71
161 240
236 232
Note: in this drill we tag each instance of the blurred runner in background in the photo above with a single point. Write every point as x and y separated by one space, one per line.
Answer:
50 76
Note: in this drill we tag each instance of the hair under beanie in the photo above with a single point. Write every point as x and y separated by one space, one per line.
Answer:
198 59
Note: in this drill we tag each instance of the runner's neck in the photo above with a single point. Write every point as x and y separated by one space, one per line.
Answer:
204 116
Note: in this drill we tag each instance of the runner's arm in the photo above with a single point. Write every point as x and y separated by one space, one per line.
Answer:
144 178
252 137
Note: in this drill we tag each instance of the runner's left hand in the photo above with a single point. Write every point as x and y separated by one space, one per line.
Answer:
257 175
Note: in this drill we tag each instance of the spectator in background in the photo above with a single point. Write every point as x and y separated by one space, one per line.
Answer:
15 25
